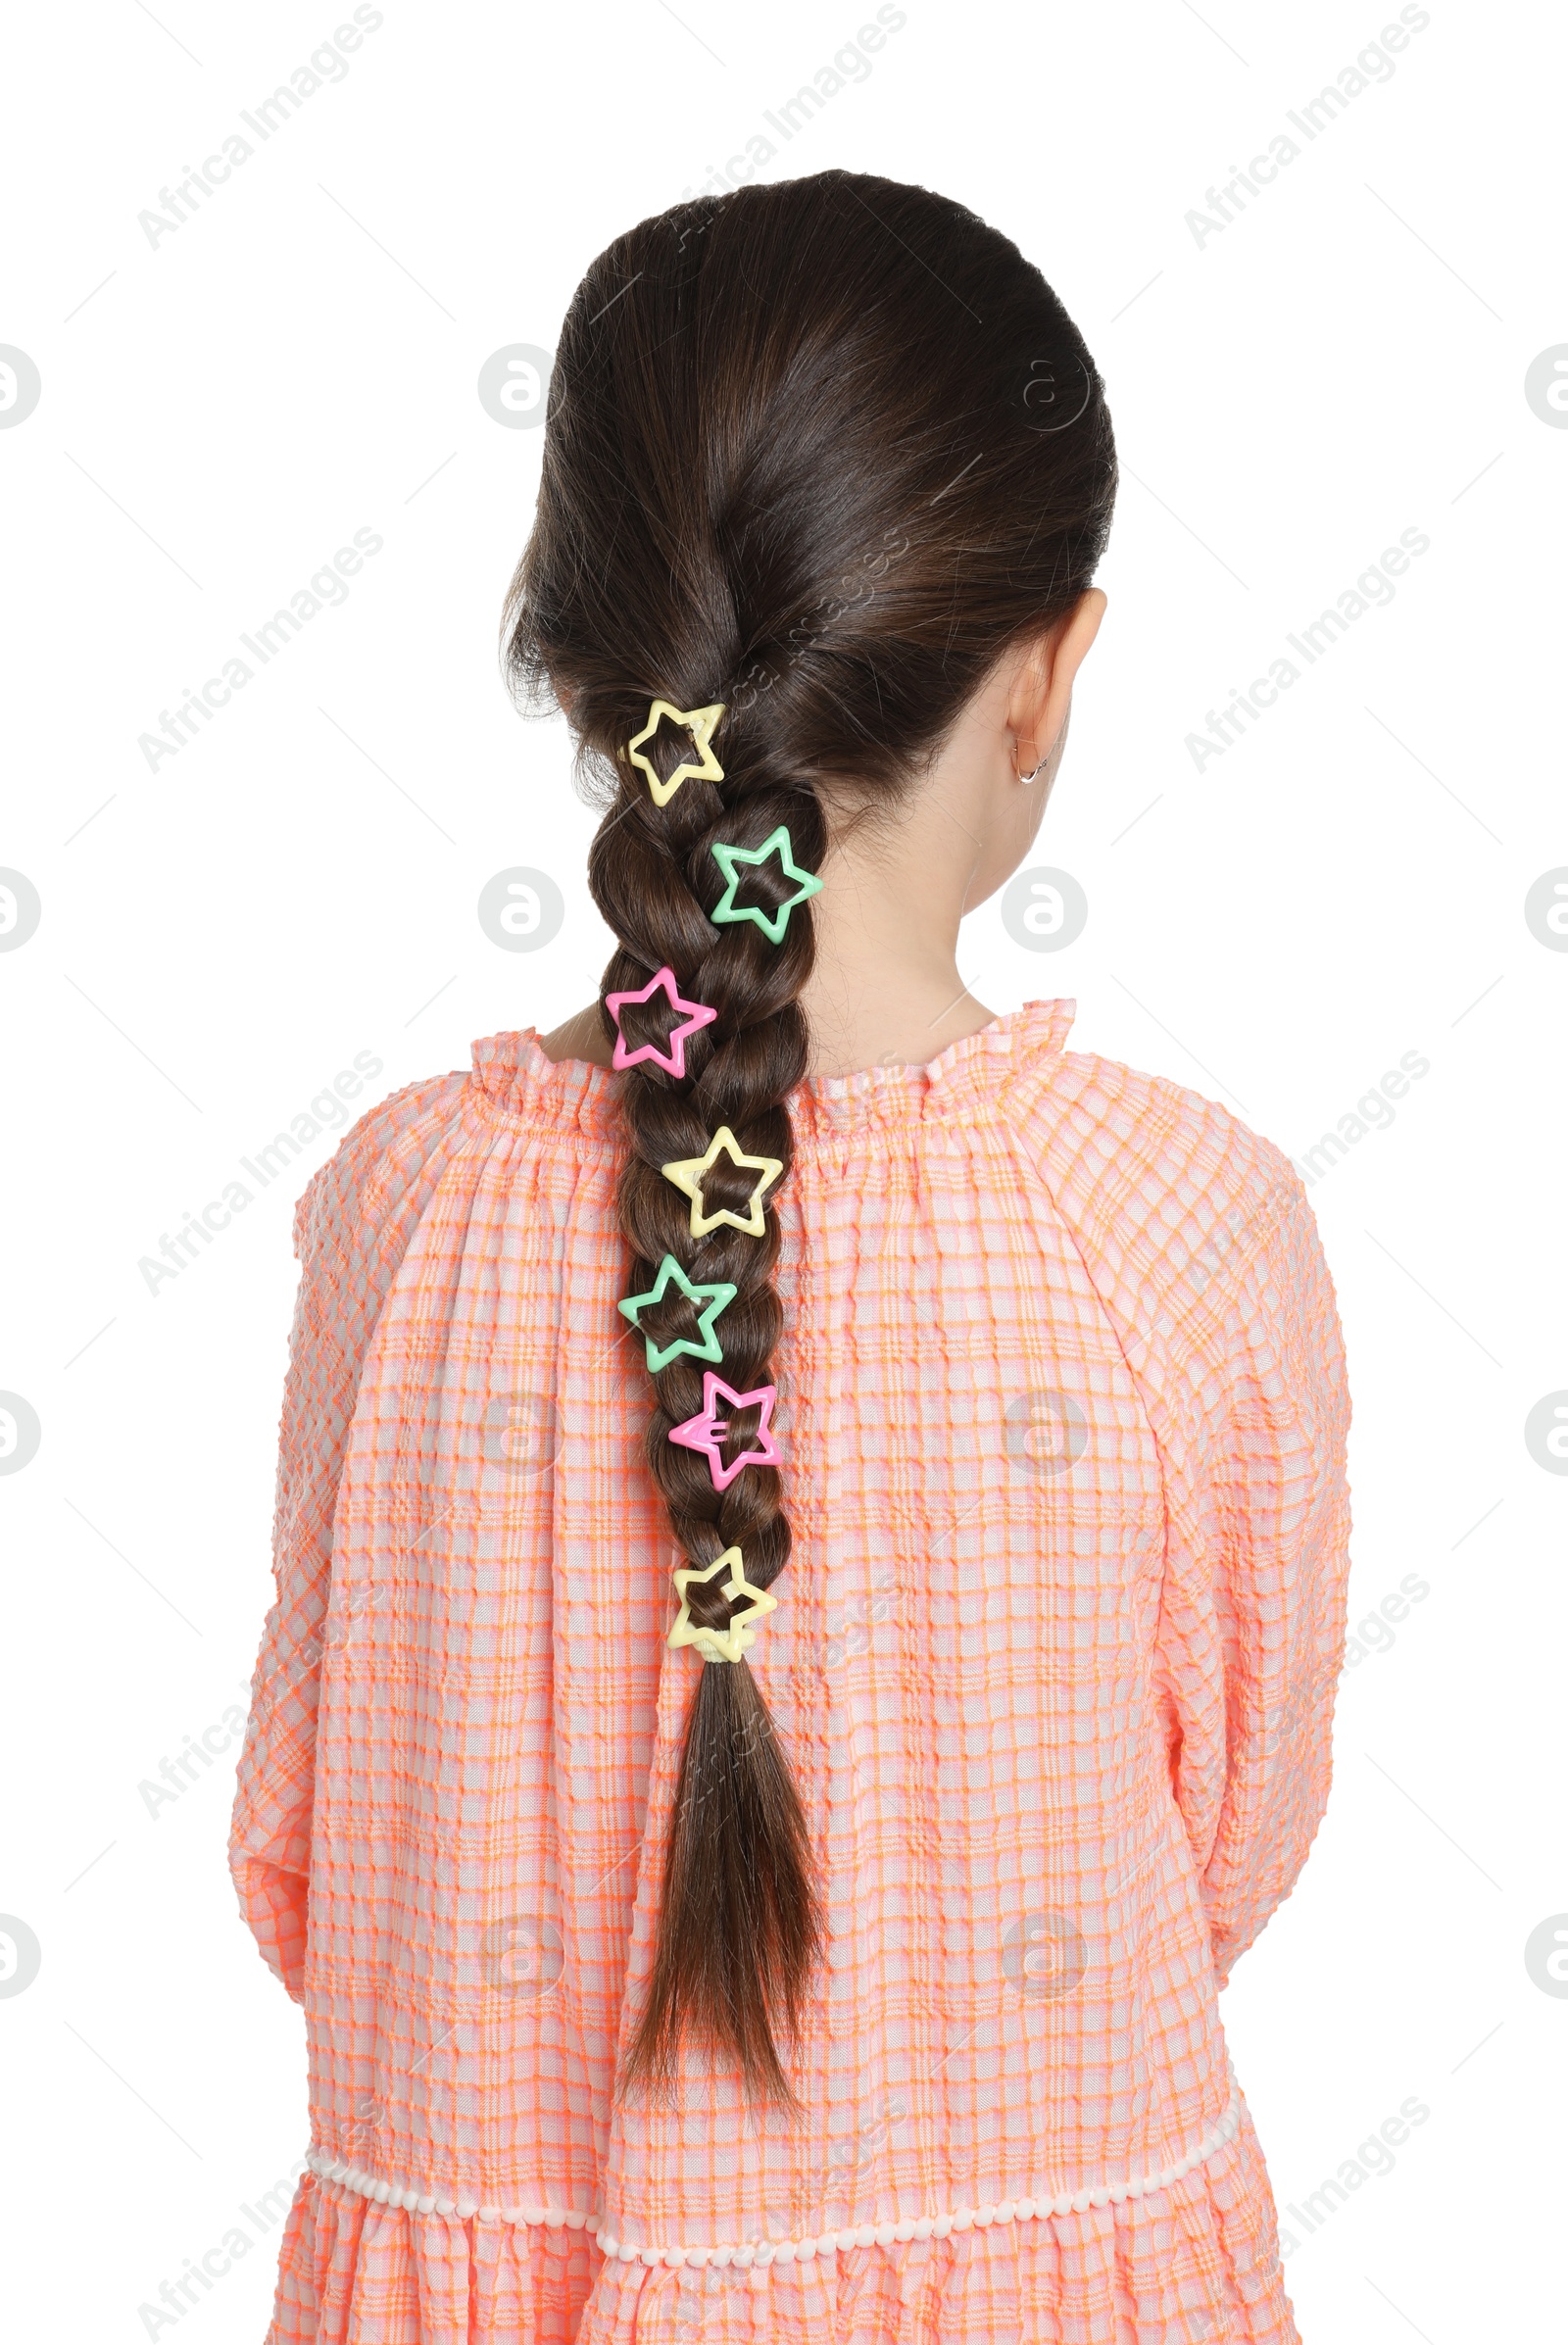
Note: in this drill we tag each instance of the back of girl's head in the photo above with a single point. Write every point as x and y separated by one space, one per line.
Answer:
822 452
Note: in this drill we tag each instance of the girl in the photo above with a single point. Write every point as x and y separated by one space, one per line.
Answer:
811 1524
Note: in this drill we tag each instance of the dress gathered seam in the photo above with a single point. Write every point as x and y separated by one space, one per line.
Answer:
884 2232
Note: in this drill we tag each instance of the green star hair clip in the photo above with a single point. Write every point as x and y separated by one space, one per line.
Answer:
773 924
714 1299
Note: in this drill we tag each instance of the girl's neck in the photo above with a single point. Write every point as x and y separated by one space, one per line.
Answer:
886 989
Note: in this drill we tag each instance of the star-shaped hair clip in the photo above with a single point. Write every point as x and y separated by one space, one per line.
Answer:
700 723
672 1054
722 1644
714 1299
687 1174
707 1431
773 924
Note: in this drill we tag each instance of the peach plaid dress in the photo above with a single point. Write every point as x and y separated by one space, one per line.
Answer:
1062 1411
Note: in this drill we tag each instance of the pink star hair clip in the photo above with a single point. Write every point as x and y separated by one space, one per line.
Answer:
707 1431
672 1054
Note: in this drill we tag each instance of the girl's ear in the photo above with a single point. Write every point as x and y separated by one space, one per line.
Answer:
1042 690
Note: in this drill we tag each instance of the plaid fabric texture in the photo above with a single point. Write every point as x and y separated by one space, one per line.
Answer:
1062 1411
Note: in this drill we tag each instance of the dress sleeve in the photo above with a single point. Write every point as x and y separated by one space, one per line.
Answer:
351 1230
1272 1503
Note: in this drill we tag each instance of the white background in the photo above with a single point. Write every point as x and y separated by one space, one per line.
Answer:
221 410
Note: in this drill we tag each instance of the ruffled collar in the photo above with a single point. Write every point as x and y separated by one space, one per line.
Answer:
511 1074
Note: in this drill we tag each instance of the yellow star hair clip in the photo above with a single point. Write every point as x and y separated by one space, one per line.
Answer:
700 723
722 1644
687 1174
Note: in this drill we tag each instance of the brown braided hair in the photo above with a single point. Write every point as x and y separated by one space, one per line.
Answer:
825 451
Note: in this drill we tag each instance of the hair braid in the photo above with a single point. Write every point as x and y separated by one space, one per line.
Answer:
738 1870
775 474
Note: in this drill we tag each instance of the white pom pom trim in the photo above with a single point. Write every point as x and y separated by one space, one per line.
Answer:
743 2254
